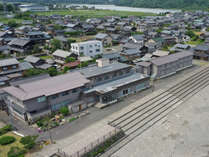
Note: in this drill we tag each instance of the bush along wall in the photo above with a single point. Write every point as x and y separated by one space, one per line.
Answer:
99 150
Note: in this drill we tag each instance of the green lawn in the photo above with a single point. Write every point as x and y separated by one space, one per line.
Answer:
5 149
95 13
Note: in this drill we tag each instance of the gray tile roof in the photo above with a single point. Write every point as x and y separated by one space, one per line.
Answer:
96 71
171 58
19 42
48 86
32 59
113 85
101 36
8 62
61 53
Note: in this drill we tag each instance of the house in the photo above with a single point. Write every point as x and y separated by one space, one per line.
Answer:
60 56
20 46
88 48
160 53
180 47
37 37
112 81
104 38
139 39
201 52
30 101
35 61
12 66
170 64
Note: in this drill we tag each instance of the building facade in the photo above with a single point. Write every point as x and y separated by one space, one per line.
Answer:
88 48
29 101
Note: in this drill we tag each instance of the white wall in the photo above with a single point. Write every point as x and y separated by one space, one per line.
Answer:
89 48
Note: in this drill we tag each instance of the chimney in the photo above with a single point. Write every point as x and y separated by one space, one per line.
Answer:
102 62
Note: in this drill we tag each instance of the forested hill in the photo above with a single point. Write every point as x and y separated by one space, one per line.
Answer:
180 4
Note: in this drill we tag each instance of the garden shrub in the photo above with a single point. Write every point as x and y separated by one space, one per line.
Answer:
7 140
64 110
5 129
28 141
16 152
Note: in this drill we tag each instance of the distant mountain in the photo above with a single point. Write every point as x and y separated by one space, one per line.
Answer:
180 4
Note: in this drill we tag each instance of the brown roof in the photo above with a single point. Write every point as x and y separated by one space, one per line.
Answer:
48 86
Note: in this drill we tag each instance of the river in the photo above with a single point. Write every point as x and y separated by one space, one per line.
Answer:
121 8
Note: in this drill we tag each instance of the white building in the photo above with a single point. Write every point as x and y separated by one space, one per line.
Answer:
88 48
33 7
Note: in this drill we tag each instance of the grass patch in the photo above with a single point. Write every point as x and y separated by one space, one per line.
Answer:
72 119
46 57
197 42
5 149
6 20
94 13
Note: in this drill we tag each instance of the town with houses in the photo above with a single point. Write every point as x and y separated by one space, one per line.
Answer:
55 70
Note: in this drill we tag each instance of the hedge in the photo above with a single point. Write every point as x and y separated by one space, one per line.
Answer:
7 140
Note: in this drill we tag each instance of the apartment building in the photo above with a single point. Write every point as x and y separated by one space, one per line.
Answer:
29 101
88 48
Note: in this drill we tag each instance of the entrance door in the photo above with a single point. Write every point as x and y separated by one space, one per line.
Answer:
80 107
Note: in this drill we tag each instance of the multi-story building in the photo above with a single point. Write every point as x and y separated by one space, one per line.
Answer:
168 65
29 101
111 81
88 48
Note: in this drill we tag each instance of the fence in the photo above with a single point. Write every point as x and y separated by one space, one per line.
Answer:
89 147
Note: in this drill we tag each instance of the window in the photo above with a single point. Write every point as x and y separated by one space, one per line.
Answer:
64 93
120 73
41 99
115 75
125 92
81 47
14 67
90 46
54 96
97 50
99 79
90 51
127 71
5 68
74 90
106 77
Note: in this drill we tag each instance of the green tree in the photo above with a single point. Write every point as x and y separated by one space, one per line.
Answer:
12 23
52 71
69 42
55 44
10 7
28 141
64 110
70 59
36 49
